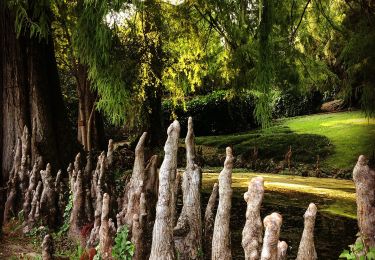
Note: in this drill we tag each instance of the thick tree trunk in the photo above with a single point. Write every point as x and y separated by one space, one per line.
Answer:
90 123
31 96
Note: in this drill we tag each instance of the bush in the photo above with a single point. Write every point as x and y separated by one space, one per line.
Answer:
215 113
292 103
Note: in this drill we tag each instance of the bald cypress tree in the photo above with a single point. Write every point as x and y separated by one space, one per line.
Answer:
30 93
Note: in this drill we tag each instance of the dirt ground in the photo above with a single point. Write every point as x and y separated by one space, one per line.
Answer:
14 245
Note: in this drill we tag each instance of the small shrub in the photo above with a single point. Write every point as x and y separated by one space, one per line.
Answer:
123 249
357 251
67 211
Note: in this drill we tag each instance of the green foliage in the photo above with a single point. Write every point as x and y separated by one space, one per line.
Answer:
357 56
216 113
32 19
37 234
123 249
291 103
358 251
68 208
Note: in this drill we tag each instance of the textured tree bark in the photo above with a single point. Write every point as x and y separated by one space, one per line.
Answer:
188 231
33 216
31 95
282 248
33 182
136 182
97 196
60 188
253 230
110 152
10 204
47 248
162 238
48 198
23 173
151 187
306 250
138 230
221 244
176 192
90 122
272 224
105 239
98 189
137 235
76 216
364 179
209 221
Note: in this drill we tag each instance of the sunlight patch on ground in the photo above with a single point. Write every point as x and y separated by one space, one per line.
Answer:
337 197
354 121
332 188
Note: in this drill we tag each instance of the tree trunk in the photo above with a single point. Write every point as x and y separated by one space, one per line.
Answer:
155 126
31 96
90 123
29 92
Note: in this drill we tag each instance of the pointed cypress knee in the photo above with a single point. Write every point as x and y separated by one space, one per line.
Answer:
253 230
162 237
221 244
306 250
272 224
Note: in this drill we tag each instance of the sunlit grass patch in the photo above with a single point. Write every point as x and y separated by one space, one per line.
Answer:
338 138
333 196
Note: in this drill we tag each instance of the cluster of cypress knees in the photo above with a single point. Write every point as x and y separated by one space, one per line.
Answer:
147 205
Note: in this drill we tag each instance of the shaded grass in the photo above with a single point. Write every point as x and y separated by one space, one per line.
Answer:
338 138
333 196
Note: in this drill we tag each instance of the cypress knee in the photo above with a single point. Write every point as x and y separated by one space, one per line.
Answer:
253 230
221 244
364 179
162 237
272 224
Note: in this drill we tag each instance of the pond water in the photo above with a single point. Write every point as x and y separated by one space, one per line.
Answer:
333 233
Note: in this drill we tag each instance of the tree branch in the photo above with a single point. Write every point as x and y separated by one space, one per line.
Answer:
300 20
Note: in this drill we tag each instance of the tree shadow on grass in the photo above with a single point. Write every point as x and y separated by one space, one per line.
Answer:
274 143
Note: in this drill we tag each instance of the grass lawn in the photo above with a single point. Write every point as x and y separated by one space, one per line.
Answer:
338 138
